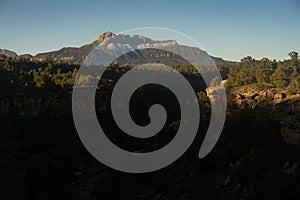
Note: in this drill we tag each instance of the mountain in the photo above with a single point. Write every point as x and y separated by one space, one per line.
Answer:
73 54
147 51
108 41
8 53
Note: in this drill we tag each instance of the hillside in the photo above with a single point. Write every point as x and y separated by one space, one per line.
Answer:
8 53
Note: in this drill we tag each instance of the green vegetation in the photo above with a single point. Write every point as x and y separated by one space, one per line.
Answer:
22 73
267 73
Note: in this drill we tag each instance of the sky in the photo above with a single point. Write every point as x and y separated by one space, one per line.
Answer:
228 29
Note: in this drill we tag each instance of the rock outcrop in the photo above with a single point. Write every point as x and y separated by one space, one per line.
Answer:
272 102
105 36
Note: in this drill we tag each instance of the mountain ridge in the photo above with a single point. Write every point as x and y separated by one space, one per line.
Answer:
78 54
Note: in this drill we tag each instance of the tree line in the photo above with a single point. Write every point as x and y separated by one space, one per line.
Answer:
266 73
18 74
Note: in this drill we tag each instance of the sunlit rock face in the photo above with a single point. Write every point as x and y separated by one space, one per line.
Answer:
274 103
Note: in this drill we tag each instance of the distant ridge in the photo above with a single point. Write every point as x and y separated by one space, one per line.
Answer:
73 54
78 54
8 53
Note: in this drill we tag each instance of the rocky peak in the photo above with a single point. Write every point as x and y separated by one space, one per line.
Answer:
105 36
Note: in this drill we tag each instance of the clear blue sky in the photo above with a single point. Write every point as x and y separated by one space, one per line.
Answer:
229 29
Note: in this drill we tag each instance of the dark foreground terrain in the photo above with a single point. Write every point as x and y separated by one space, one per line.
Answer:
42 156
